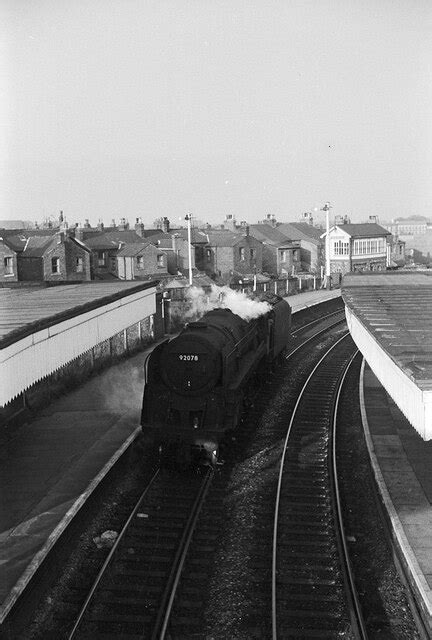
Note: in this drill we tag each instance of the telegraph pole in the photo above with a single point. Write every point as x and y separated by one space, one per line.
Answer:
327 208
188 218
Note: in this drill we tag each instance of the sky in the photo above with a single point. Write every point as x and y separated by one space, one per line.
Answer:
142 108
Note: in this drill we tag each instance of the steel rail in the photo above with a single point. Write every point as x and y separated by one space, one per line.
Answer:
109 558
354 603
315 335
279 485
316 320
166 605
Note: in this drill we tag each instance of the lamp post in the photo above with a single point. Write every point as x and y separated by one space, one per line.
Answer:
327 208
188 218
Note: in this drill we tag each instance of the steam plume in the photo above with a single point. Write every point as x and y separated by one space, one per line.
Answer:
226 298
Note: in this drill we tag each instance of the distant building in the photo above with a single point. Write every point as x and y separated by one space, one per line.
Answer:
358 247
16 224
281 256
104 246
57 257
230 255
311 244
414 225
176 246
141 262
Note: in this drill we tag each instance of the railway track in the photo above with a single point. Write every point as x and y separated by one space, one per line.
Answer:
313 592
134 593
227 582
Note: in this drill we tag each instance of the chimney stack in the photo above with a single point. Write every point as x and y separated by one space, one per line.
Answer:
165 225
139 227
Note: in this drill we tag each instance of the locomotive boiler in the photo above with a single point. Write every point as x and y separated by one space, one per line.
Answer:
196 383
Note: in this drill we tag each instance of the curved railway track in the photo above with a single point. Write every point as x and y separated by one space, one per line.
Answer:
302 593
313 592
134 592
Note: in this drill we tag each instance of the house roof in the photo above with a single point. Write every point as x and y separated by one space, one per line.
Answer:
112 239
17 241
224 238
161 239
301 231
364 230
271 235
197 236
36 246
134 249
8 244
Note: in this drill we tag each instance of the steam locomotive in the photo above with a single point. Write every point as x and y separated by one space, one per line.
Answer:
196 383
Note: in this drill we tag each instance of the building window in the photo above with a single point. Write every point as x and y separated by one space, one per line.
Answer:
242 253
369 247
8 266
101 255
340 248
140 262
208 255
283 255
160 260
55 265
252 254
79 265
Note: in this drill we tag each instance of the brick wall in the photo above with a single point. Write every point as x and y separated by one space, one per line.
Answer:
72 253
30 269
67 252
5 252
150 262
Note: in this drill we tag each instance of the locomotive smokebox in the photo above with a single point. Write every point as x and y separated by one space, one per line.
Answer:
191 364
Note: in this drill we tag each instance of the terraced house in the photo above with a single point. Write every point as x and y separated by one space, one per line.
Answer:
57 257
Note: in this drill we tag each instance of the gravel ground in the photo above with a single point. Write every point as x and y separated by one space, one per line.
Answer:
239 593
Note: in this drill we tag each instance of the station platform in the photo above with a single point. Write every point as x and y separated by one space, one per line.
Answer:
49 465
306 299
402 463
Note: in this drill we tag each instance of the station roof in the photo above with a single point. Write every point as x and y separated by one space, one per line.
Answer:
396 309
25 310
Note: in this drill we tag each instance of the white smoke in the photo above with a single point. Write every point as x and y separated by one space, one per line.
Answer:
225 298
